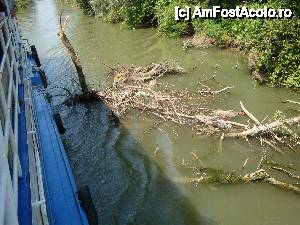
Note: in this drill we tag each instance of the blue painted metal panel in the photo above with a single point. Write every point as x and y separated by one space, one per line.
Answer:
35 81
63 207
24 210
62 204
35 77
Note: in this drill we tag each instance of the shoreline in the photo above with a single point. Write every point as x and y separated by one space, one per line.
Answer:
200 40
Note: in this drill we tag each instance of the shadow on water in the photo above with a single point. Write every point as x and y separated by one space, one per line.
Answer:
127 186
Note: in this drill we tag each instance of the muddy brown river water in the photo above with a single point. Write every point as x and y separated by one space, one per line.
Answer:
136 177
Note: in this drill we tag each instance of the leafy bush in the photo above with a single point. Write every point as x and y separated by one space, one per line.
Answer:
139 12
280 52
110 10
275 42
85 6
21 4
131 12
166 22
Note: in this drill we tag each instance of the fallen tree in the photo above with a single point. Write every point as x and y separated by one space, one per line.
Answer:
87 94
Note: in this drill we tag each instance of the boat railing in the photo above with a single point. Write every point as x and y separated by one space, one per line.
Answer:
39 211
10 167
13 53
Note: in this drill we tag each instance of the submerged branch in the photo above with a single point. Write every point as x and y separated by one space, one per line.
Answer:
220 177
250 115
285 171
262 176
294 102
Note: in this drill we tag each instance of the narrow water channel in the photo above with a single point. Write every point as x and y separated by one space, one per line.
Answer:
135 176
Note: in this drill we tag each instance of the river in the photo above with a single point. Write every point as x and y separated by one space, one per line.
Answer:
135 176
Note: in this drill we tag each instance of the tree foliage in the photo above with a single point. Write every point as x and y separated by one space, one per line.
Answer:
276 42
21 4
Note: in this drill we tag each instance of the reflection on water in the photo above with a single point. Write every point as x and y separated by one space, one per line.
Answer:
135 175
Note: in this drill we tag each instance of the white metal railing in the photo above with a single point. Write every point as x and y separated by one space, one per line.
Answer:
12 55
10 167
38 201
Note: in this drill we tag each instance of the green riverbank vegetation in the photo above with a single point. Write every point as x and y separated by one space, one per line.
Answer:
272 46
22 4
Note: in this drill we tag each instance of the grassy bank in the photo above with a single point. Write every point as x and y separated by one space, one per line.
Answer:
272 45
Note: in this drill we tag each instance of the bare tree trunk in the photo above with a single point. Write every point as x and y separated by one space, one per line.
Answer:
81 77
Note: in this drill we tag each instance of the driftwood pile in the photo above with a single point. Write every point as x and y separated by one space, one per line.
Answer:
139 89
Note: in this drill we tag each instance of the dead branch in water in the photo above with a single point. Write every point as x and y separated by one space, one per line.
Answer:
74 57
269 128
145 73
250 115
266 131
214 92
262 176
286 171
174 106
220 177
294 102
180 107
